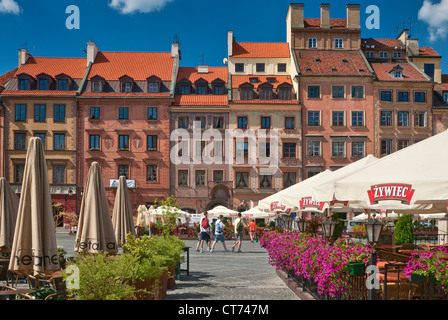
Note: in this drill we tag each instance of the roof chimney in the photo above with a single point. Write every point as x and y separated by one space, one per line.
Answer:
297 15
23 56
174 49
353 16
325 16
202 69
92 51
230 41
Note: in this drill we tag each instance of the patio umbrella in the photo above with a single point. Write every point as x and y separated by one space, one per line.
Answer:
141 222
34 249
9 204
221 210
95 229
412 179
255 213
161 211
122 214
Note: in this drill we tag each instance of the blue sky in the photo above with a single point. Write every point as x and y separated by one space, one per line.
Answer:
200 25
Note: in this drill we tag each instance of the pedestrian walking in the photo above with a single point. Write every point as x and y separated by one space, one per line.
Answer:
204 234
239 232
219 234
252 230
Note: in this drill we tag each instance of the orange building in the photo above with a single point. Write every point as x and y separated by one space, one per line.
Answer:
124 121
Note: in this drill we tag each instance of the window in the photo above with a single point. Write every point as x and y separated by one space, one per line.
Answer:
420 96
266 94
200 90
94 142
265 181
199 148
153 87
24 84
281 67
357 92
285 94
97 86
398 74
370 54
184 89
289 150
289 179
339 43
246 94
202 121
289 123
19 169
182 148
43 84
19 141
152 113
402 143
59 174
123 113
59 112
338 118
95 113
358 149
59 141
200 177
218 176
217 148
123 142
40 112
338 92
218 122
357 118
386 118
397 55
20 112
242 122
265 149
151 173
445 97
217 90
182 178
312 172
313 148
403 96
384 54
386 95
420 119
41 136
259 67
265 122
429 70
313 92
312 43
151 143
313 118
182 122
242 150
338 149
63 84
123 170
403 119
239 67
126 86
386 147
242 180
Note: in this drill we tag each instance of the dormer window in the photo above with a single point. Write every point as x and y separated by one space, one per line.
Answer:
126 87
217 90
43 84
397 72
271 80
63 84
24 84
218 86
265 91
97 86
200 90
153 87
253 80
184 89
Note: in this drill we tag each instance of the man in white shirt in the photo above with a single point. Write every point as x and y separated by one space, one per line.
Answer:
219 234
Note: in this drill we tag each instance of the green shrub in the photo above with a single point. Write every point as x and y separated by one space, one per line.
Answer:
339 228
404 230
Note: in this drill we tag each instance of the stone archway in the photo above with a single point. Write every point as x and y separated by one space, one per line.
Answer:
219 195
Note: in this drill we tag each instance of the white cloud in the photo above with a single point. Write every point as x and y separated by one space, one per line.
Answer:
436 16
9 6
143 6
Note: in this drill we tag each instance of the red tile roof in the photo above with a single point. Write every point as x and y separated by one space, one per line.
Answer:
200 100
274 101
137 65
124 95
4 78
334 23
38 93
73 67
191 73
260 50
428 52
444 85
382 43
410 73
239 80
328 63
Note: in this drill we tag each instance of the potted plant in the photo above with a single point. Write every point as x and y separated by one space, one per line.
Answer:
62 253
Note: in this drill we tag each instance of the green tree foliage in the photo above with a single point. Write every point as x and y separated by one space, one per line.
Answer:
404 230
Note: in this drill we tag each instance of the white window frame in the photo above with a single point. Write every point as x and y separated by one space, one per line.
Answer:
312 43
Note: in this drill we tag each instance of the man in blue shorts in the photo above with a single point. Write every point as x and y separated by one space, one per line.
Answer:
219 234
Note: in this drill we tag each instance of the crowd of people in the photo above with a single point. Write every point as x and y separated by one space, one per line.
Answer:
239 226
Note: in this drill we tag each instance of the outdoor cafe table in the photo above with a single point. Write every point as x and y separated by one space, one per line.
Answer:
390 247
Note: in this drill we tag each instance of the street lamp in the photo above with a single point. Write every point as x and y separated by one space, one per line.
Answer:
373 231
302 224
328 227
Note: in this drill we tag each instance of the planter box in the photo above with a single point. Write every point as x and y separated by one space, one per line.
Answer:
146 284
356 269
171 280
160 292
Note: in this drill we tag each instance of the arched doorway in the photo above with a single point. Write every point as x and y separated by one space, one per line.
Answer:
220 196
